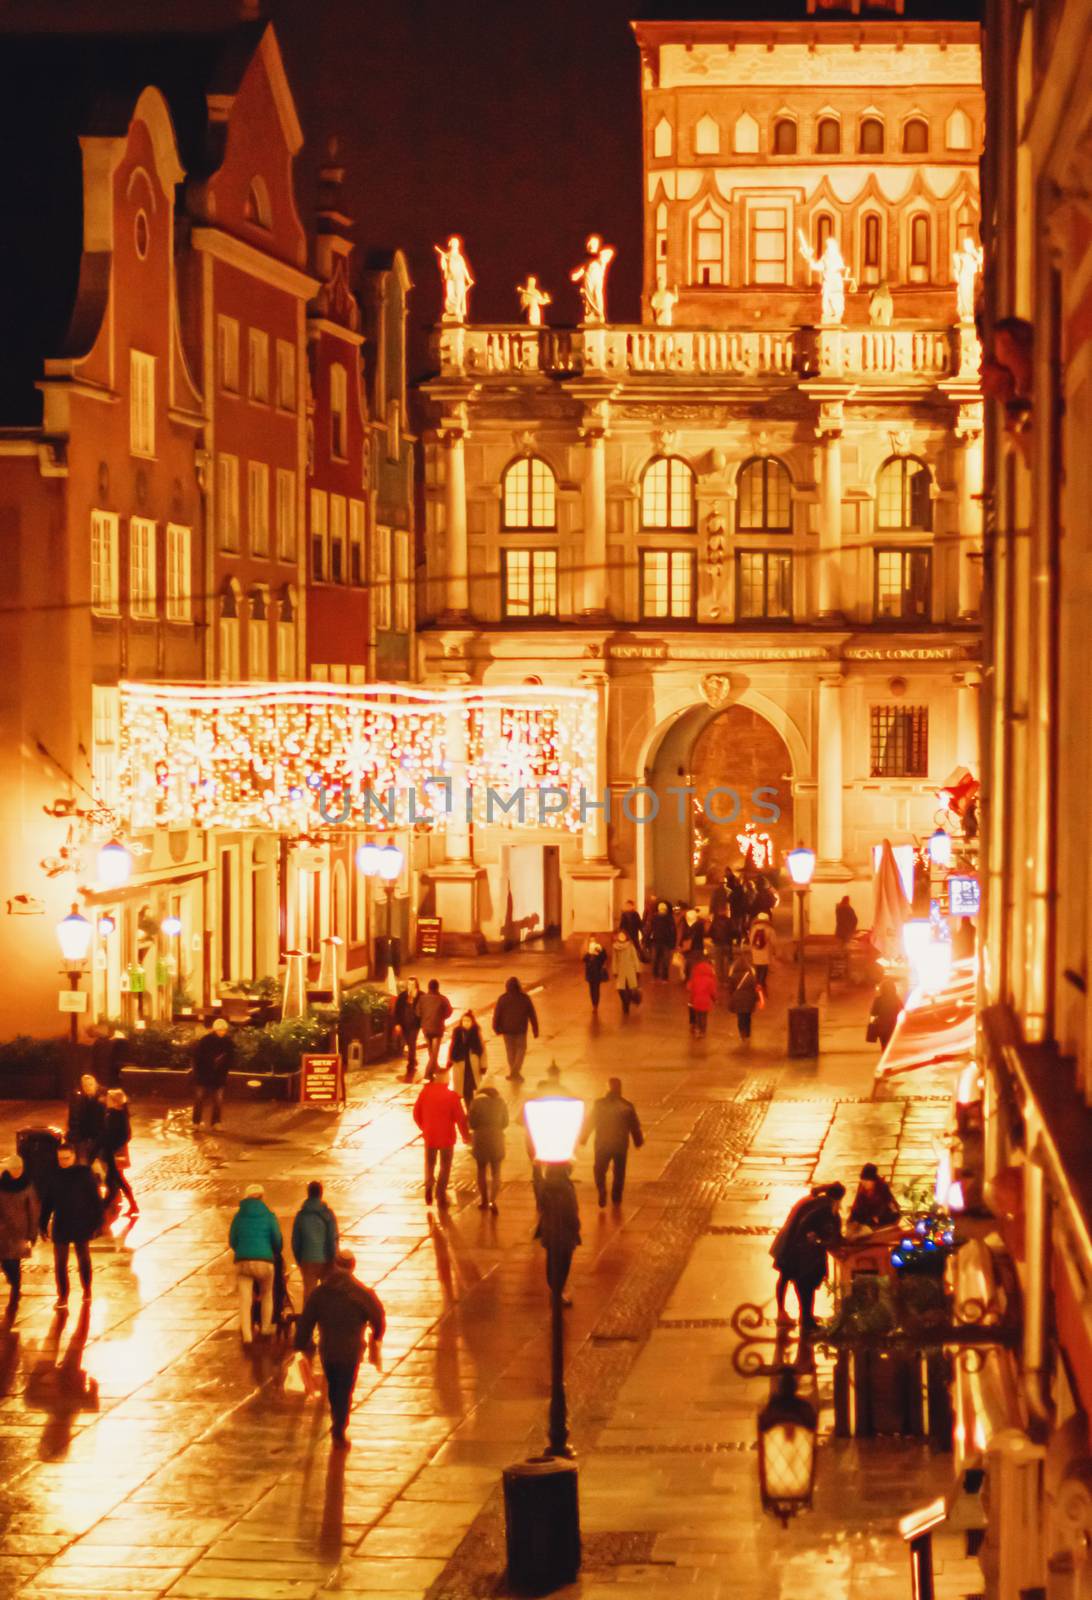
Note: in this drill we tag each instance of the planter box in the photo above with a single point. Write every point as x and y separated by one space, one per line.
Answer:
164 1083
40 1083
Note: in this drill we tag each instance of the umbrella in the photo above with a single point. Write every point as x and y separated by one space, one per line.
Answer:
890 907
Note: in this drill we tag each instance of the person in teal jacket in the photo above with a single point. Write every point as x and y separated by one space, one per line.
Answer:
255 1237
314 1238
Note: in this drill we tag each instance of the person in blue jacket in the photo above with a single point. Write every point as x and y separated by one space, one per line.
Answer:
255 1237
314 1238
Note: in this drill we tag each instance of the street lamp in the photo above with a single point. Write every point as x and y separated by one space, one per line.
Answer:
803 1019
74 935
787 1426
542 1509
940 848
385 863
114 866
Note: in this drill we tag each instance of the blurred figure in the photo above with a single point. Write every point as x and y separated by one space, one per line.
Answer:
701 991
18 1227
255 1238
720 937
964 940
213 1059
467 1053
86 1118
115 1148
692 940
845 920
434 1009
625 971
513 1014
595 970
438 1112
74 1208
742 993
663 939
884 1014
874 1206
760 948
488 1118
342 1308
630 924
615 1123
407 1018
314 1238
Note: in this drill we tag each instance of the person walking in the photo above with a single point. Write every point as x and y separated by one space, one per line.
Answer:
434 1009
407 1019
874 1206
615 1124
701 991
117 1133
438 1112
72 1213
488 1118
742 993
800 1251
761 946
845 920
630 924
737 907
885 1012
692 942
663 939
513 1014
314 1238
86 1118
342 1308
255 1238
720 937
18 1227
595 970
213 1059
625 971
466 1057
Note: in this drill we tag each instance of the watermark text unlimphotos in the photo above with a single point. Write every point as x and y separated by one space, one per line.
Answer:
722 805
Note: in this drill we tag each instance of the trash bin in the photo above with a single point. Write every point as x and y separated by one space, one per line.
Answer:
803 1030
388 953
542 1525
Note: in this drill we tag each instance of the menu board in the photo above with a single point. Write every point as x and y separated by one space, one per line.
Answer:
429 930
322 1081
964 896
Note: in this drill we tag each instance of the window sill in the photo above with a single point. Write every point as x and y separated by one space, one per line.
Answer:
99 615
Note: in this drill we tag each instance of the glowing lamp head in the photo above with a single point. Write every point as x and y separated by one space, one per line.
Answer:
172 926
74 937
935 965
917 935
801 865
106 926
390 862
367 860
554 1123
787 1427
940 848
115 865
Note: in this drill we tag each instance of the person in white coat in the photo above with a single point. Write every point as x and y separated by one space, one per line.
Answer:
625 971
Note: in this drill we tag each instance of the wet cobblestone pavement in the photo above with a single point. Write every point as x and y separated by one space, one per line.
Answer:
143 1452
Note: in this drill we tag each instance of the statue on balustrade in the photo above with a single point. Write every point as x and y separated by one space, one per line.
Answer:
532 299
835 278
663 302
591 275
455 271
966 265
881 307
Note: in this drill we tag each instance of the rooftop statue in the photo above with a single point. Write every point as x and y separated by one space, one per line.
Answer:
455 271
966 265
591 275
532 299
834 277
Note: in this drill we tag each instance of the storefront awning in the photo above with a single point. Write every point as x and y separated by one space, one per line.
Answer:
934 1030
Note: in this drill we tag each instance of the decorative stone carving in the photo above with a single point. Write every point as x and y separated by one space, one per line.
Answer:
834 277
715 542
532 299
881 307
591 275
663 302
716 687
457 279
966 265
902 441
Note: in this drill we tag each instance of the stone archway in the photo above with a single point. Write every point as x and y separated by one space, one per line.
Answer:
739 751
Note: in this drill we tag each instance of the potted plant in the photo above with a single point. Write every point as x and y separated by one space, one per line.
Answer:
365 1017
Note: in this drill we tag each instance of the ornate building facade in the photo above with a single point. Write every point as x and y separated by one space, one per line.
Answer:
752 522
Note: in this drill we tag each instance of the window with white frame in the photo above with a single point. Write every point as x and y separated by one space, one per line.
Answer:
403 582
958 132
258 642
667 584
228 631
381 585
257 505
530 583
286 514
227 353
745 135
286 651
769 243
356 541
709 242
258 365
141 403
338 522
141 567
764 496
104 562
667 494
320 536
105 734
903 494
707 137
339 411
179 579
529 494
286 375
227 501
763 586
903 582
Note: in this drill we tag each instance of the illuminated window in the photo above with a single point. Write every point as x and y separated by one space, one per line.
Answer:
709 238
920 249
824 230
229 635
764 497
356 541
142 586
707 137
338 530
871 248
227 501
784 137
286 514
958 132
667 494
286 376
141 403
828 140
320 536
667 584
257 505
530 583
179 580
662 138
381 579
745 137
899 741
661 232
286 649
227 353
403 581
339 411
902 495
529 493
258 638
763 586
871 140
769 244
915 137
902 585
258 365
104 562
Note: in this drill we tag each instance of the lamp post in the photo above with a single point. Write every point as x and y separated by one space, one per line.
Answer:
114 866
542 1510
385 863
803 1019
74 935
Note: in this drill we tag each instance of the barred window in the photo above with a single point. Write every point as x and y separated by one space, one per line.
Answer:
529 491
763 585
530 583
903 581
667 584
667 494
764 502
899 741
902 495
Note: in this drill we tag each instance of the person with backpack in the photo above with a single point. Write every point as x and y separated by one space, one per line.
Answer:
115 1149
314 1238
720 937
255 1239
73 1206
488 1118
434 1009
743 993
407 1019
342 1308
761 947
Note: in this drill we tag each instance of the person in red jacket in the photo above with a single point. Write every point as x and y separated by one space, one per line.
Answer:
701 989
438 1112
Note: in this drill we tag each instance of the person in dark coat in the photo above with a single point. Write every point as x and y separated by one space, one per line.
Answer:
488 1118
558 1228
874 1206
663 938
434 1009
513 1014
466 1057
74 1208
812 1230
18 1227
86 1118
407 1018
764 899
342 1308
615 1123
737 906
630 923
720 936
845 920
742 993
595 970
314 1238
884 1014
213 1059
718 900
692 939
115 1149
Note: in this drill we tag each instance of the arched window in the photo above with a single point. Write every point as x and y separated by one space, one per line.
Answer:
871 140
764 497
256 207
745 140
784 137
661 232
708 239
902 495
921 260
662 138
707 137
667 494
529 494
871 248
915 137
958 131
824 230
829 136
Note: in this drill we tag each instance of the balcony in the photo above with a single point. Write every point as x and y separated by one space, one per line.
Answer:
860 355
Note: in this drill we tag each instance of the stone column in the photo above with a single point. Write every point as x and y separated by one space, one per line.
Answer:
457 827
456 882
829 771
967 741
457 601
593 840
591 906
829 431
969 483
595 586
